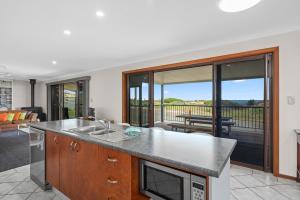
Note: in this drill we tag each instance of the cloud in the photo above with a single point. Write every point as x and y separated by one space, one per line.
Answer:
238 81
166 92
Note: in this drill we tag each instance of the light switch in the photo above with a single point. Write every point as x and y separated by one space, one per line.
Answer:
291 100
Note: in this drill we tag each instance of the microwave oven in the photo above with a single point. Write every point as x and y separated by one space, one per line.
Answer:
164 183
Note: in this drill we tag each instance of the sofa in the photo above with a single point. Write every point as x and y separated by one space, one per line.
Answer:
9 120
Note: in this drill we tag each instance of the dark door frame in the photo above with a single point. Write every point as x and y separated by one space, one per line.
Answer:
60 84
211 61
267 109
150 74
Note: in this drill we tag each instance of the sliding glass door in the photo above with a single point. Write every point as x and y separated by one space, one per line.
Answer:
241 109
139 100
71 99
183 99
230 99
67 100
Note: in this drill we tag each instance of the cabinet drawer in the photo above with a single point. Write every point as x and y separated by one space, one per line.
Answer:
115 161
116 187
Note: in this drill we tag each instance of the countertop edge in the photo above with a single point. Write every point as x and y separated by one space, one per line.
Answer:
186 167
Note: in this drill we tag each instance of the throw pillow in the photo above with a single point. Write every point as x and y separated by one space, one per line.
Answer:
10 116
28 115
22 115
3 117
17 116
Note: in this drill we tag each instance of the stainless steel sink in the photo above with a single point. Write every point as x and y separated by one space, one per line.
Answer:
101 133
91 130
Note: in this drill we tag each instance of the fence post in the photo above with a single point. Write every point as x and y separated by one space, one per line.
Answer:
162 103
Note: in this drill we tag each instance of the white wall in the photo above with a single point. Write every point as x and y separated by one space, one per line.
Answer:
21 94
106 87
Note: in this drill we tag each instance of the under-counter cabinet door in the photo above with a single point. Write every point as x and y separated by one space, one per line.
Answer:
86 171
67 164
52 159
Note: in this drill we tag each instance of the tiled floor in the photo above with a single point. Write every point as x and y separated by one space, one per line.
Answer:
248 184
245 184
15 184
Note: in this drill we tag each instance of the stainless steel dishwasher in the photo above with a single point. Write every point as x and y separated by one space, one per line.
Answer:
37 157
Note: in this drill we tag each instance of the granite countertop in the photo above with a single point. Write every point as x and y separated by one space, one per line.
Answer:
197 154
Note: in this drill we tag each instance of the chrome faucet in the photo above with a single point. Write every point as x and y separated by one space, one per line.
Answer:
105 123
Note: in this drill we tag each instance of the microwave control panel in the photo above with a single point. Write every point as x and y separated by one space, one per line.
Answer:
198 188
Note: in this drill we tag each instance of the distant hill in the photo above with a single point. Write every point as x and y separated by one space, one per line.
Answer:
243 102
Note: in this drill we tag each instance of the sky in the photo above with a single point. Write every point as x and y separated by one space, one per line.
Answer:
231 90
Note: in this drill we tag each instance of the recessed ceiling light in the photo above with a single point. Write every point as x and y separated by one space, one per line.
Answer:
236 5
54 62
67 32
100 13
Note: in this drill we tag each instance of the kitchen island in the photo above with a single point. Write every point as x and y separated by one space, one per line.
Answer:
84 167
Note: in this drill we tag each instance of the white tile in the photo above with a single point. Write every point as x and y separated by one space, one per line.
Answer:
24 169
45 195
268 193
7 187
57 198
289 182
17 177
8 172
291 191
16 197
234 184
249 181
239 171
59 194
267 178
24 187
232 197
245 194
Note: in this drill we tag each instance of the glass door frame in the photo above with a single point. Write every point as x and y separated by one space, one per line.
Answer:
150 74
268 100
60 84
212 61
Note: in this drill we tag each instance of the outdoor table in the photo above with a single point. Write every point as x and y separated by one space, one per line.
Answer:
206 119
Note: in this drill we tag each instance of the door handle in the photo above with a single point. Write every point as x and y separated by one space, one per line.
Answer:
55 140
71 146
76 147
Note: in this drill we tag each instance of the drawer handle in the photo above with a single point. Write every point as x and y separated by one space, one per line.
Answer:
112 181
113 160
76 147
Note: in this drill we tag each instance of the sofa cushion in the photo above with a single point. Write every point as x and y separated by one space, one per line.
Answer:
5 123
3 117
17 115
20 121
28 115
22 115
33 117
10 116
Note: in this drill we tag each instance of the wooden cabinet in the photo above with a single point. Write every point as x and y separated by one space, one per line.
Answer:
52 161
85 171
116 181
78 169
119 178
298 157
66 166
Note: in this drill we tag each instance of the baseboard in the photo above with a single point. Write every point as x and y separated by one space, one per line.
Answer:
287 177
247 165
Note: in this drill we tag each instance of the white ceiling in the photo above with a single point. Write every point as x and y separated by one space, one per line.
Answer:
31 31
